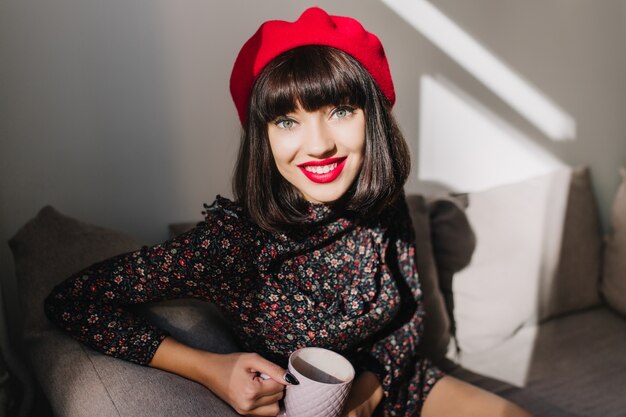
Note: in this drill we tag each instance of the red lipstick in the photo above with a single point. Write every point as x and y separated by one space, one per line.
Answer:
318 175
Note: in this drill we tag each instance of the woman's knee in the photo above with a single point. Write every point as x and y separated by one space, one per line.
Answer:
455 398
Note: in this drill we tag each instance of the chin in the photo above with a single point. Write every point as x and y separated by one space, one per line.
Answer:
325 197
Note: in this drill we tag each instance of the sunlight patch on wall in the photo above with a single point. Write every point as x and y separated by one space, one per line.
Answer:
466 147
518 93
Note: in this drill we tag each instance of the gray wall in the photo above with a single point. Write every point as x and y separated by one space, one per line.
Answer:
118 112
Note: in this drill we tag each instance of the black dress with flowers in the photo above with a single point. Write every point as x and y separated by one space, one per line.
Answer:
336 282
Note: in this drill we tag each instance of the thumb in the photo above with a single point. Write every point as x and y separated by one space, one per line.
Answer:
269 370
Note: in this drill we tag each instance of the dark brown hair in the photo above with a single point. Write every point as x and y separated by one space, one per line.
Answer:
313 77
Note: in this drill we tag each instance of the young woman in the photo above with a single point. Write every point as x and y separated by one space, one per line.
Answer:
316 250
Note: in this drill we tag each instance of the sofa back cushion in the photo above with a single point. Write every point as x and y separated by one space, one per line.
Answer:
537 256
614 274
574 286
51 247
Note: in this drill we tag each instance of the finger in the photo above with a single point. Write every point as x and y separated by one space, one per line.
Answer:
269 399
270 410
263 366
268 387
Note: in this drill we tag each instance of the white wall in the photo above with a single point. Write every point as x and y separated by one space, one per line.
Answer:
118 112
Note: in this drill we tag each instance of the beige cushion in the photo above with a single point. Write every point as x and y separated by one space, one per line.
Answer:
614 276
537 255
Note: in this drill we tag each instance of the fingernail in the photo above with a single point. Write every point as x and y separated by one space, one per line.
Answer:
291 379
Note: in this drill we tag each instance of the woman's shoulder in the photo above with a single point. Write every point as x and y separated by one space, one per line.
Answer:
228 218
224 208
395 217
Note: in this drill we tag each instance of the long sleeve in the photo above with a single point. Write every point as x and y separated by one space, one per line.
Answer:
92 305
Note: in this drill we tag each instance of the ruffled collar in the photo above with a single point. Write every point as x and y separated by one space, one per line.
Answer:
316 213
320 214
322 223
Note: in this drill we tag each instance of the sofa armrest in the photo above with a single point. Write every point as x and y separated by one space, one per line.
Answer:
80 382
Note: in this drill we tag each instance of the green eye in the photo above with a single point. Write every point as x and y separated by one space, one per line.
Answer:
285 123
343 112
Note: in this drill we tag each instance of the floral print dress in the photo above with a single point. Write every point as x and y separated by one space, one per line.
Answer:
336 282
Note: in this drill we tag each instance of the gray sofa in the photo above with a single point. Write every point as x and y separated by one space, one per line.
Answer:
577 368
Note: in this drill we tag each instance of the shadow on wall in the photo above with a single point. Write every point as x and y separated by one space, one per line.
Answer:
462 143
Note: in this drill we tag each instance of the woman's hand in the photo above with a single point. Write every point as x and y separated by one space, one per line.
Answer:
364 397
235 377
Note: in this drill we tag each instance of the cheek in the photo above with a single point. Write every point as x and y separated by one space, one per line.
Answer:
359 147
361 144
355 141
282 150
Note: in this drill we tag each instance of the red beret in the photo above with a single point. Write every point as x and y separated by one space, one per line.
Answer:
313 27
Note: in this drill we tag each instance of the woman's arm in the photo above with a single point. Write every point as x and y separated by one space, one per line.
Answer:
233 377
93 304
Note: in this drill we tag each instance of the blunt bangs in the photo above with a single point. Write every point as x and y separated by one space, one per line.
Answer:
310 77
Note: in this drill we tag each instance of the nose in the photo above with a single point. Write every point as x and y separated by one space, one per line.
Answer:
319 141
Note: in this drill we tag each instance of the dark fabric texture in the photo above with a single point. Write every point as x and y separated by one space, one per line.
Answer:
339 282
436 323
576 283
453 243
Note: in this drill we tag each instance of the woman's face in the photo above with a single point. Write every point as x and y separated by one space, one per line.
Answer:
320 152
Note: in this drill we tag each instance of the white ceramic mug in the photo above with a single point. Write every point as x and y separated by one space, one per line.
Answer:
325 380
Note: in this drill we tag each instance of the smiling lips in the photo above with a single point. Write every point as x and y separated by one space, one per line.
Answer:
325 171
